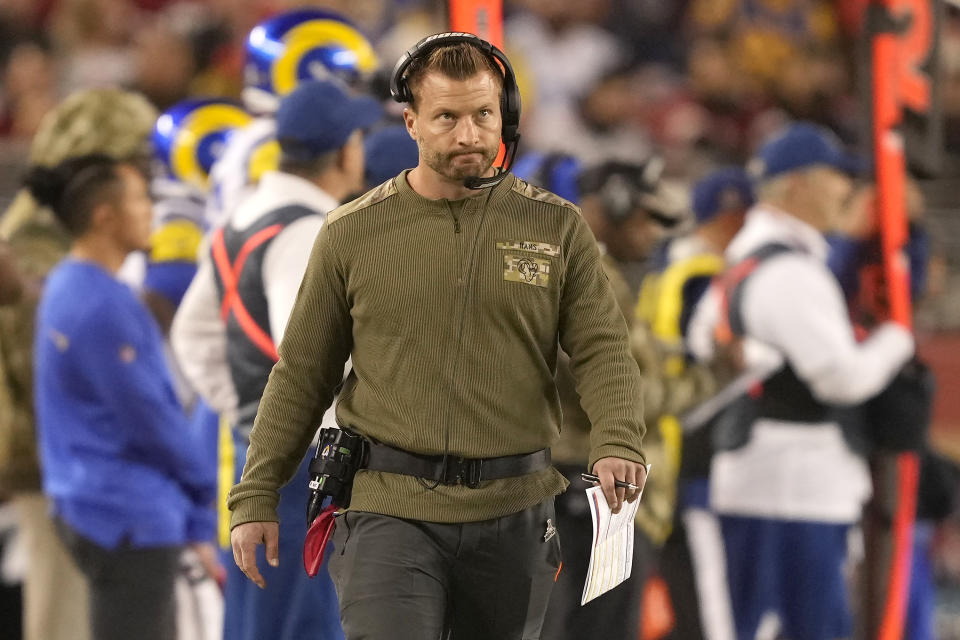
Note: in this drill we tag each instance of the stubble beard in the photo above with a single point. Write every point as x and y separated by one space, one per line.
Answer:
444 164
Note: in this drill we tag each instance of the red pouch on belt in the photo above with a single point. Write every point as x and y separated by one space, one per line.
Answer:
316 541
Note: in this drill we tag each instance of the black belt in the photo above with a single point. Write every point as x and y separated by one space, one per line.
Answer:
452 469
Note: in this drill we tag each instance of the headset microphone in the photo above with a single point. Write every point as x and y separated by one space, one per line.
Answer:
476 183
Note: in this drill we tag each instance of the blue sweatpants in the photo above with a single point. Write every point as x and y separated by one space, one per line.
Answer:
790 568
293 606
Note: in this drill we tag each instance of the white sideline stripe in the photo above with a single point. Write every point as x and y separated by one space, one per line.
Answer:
710 574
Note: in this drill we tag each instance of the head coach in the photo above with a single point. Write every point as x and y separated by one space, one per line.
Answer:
452 286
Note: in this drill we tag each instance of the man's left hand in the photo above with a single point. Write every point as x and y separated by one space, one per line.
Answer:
611 469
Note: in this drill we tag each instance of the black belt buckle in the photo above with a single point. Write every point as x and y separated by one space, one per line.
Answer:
465 471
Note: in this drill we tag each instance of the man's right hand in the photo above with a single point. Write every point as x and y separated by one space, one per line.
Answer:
244 539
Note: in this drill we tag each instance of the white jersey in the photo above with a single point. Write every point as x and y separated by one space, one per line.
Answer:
793 311
249 152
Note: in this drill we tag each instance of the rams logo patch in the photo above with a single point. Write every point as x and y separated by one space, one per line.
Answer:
526 269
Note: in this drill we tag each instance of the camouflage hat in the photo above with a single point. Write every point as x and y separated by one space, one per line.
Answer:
111 121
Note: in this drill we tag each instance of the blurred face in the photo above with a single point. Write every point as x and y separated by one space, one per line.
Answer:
637 237
456 124
829 192
133 211
631 240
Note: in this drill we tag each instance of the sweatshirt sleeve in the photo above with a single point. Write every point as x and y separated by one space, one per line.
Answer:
594 334
794 305
315 346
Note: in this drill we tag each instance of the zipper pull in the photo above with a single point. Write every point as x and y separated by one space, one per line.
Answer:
456 225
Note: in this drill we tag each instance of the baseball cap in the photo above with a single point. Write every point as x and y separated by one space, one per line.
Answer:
387 152
726 189
800 146
319 116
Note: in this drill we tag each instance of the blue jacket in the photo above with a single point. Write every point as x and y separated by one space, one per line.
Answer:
120 461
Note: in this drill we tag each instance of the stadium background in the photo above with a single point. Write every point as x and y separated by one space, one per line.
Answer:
698 81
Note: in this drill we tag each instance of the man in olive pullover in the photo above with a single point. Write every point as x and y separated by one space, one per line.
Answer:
452 303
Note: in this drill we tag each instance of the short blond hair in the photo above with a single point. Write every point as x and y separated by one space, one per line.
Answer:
458 61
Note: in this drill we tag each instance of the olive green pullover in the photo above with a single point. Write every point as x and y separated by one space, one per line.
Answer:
452 312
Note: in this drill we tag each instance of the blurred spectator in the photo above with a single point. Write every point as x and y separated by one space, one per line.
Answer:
761 36
107 121
29 89
565 52
21 21
94 36
756 63
609 123
184 51
370 16
628 216
128 485
650 28
412 20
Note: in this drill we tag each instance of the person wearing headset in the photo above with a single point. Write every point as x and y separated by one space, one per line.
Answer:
452 286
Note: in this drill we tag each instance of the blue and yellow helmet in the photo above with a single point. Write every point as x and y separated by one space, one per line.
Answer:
301 45
556 172
190 136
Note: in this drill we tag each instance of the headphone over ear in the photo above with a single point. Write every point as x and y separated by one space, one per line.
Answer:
509 99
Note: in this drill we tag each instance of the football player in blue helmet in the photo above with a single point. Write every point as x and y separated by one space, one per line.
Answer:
187 141
305 44
282 52
556 172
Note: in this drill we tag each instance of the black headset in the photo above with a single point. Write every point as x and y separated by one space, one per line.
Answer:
509 97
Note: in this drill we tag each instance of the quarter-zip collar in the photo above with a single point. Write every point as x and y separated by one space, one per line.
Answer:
441 205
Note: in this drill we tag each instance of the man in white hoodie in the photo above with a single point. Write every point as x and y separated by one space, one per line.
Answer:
789 477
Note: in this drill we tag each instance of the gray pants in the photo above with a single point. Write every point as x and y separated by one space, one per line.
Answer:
131 589
411 580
